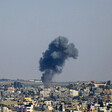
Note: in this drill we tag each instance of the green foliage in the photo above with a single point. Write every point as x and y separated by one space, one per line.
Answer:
70 86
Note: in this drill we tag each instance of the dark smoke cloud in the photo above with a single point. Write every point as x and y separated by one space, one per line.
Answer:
54 58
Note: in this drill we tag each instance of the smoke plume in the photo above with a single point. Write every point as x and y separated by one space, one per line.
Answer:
54 57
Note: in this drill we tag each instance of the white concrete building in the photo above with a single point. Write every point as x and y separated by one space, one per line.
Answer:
74 92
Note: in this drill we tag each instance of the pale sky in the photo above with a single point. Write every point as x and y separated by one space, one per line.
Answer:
28 26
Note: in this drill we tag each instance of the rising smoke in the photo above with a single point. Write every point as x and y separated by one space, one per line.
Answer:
54 57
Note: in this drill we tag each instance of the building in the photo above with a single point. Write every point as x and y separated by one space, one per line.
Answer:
74 92
17 84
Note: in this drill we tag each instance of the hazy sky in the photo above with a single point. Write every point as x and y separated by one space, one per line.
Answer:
28 26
